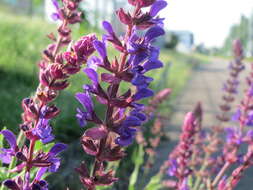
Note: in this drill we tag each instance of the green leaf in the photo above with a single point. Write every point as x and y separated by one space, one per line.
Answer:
190 181
138 159
155 183
2 142
2 138
45 147
102 187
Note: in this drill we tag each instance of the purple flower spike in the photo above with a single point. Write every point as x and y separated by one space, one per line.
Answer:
100 47
157 7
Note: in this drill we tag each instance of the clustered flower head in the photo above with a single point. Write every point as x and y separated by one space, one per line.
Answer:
124 114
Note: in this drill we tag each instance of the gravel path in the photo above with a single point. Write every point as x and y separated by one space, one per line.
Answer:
205 86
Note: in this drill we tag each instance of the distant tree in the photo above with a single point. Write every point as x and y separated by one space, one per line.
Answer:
171 41
240 30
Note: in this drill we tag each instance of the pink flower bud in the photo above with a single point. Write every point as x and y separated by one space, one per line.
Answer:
84 47
124 17
141 3
237 48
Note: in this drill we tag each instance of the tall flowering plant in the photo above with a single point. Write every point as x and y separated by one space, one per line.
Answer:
124 114
55 68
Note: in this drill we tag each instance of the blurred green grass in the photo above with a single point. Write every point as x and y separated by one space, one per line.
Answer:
22 41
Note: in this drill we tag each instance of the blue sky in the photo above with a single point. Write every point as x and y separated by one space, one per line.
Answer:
209 20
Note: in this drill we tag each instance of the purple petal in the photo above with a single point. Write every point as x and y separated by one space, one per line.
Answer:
140 57
5 158
139 80
92 74
237 115
48 139
81 117
57 148
154 53
150 65
108 27
153 33
173 168
140 115
123 141
85 100
10 137
100 47
40 173
10 184
56 4
143 93
93 62
55 16
56 162
157 7
132 121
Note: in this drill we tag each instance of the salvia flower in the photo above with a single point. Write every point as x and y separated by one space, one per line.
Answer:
55 68
231 85
124 114
180 156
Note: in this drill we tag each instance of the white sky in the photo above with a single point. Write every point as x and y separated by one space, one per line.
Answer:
209 20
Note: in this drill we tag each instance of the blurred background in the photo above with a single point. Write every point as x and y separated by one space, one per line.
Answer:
196 32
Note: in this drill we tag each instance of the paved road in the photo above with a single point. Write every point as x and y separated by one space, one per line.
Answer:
205 86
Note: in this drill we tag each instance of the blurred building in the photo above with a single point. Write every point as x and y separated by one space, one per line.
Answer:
185 40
